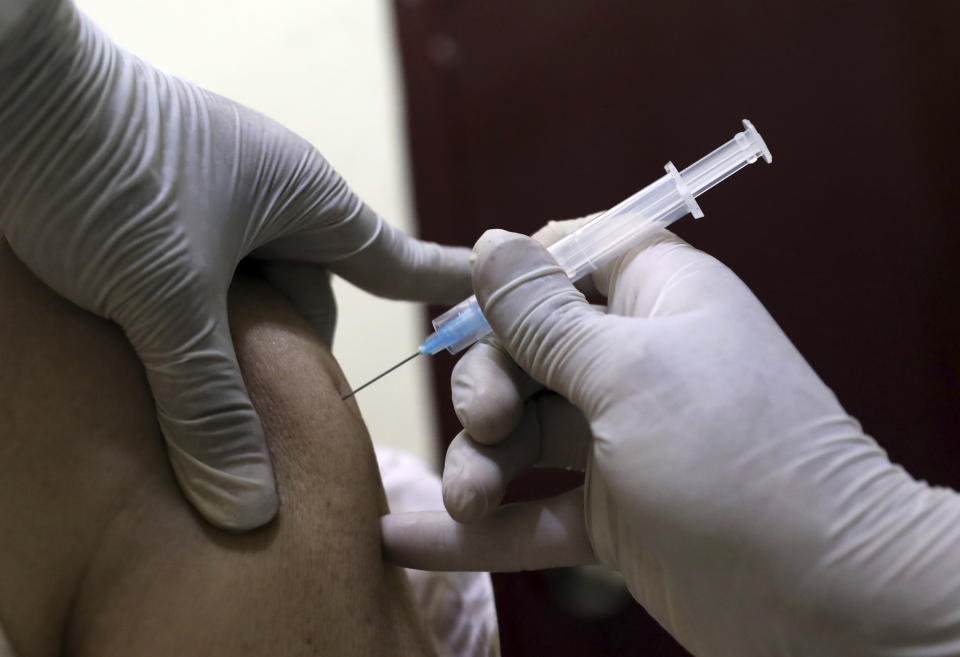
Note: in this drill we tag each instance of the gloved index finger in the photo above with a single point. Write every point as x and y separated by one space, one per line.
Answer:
547 533
544 322
398 266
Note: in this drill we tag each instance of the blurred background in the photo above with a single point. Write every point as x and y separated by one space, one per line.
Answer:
521 112
451 116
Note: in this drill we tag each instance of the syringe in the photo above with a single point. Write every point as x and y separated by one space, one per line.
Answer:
610 233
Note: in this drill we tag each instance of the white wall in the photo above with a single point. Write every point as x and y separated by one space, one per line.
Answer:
329 70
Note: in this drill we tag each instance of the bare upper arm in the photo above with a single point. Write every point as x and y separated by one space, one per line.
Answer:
105 556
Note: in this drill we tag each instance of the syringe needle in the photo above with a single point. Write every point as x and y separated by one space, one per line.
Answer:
380 376
609 233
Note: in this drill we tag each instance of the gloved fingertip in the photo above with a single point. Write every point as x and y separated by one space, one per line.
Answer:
490 240
465 500
414 539
394 530
246 515
236 501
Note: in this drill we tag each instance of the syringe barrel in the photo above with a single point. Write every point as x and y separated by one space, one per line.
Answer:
579 254
613 232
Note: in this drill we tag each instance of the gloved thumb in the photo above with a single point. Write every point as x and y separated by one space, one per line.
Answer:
215 442
543 321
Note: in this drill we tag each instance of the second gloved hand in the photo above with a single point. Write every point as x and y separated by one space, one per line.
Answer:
749 514
135 194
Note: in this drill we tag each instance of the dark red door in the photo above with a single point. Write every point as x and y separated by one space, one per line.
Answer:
522 112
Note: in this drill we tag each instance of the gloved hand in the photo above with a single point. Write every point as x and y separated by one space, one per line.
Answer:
135 195
749 514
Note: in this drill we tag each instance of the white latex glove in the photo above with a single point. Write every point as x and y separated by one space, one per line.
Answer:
135 194
749 514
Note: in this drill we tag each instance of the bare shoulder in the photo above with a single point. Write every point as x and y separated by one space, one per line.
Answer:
108 557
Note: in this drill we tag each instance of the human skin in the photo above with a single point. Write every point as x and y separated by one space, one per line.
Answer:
101 555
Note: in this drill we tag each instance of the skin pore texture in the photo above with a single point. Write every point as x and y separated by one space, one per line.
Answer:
101 555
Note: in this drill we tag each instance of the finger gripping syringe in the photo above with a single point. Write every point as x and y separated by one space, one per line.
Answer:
611 233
